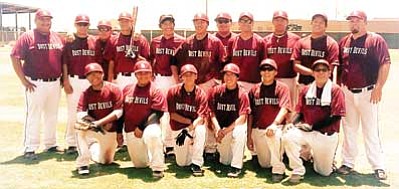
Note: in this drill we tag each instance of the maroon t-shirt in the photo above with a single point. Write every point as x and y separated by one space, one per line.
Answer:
189 105
266 102
280 48
207 55
101 53
138 103
162 51
227 105
100 103
313 112
78 53
119 48
42 54
247 54
361 59
308 49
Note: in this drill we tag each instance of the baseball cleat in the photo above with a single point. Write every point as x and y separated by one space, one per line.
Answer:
157 174
345 170
234 172
197 171
71 150
380 174
30 156
84 170
55 149
295 178
277 177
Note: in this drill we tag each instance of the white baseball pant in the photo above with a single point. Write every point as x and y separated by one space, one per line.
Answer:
192 150
232 147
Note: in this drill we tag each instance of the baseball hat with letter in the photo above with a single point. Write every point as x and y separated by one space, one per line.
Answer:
246 14
201 16
358 14
104 23
231 67
320 61
93 67
125 15
142 66
188 68
280 14
268 62
223 15
82 18
43 13
165 17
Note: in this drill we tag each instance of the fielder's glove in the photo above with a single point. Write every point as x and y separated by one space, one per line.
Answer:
86 123
181 137
304 127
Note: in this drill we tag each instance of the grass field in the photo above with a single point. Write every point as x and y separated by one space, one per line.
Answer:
58 170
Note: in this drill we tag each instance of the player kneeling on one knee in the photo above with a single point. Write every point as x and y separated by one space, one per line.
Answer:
187 106
270 102
143 106
316 123
99 106
229 108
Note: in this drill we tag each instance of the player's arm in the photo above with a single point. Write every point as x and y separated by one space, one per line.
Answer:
381 79
181 119
65 79
298 67
17 65
250 143
239 121
110 70
153 118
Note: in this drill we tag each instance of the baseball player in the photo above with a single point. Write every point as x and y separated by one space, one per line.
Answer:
77 54
36 59
187 106
104 40
246 50
365 66
143 107
229 109
318 45
279 47
223 22
162 50
102 101
269 97
316 123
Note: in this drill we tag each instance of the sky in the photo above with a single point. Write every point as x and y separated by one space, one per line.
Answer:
64 11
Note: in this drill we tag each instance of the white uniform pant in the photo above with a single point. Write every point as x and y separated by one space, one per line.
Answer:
147 150
101 151
232 147
42 103
269 150
359 109
192 150
78 86
323 148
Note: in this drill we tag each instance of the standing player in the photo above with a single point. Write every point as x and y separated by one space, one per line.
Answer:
279 47
270 103
77 54
223 23
162 50
187 106
143 107
104 40
229 108
318 45
102 101
365 67
36 59
316 123
246 50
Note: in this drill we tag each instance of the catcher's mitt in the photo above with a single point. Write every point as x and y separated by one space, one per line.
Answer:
181 137
86 123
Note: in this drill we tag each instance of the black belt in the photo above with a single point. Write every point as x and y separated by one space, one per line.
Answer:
359 90
44 79
78 76
126 73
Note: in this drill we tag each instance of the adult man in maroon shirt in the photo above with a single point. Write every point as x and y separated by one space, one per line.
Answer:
365 64
102 101
36 59
223 23
316 123
104 40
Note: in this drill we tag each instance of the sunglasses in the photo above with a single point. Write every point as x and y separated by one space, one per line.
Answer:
245 21
222 21
82 24
103 29
320 70
268 68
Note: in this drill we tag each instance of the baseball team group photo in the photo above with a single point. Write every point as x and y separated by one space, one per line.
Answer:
111 107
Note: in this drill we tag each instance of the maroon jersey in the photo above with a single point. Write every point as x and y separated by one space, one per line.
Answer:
162 51
189 105
266 102
42 54
100 103
280 48
313 112
361 59
78 53
308 49
138 103
101 56
207 55
119 48
247 54
226 39
227 105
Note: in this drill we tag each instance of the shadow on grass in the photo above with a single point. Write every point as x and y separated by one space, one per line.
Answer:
43 156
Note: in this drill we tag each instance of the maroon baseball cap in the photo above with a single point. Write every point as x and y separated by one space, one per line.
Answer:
201 16
324 16
104 23
231 67
320 61
224 15
142 66
246 14
93 67
165 17
43 13
280 14
82 18
358 14
188 68
268 62
125 15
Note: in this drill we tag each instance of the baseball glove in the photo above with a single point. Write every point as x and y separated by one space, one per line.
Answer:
181 137
86 123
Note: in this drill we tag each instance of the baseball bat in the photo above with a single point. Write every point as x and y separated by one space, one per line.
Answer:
130 53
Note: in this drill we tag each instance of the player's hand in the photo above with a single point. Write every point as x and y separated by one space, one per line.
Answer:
138 133
30 87
220 135
119 139
69 37
191 127
271 130
107 126
67 87
250 144
376 95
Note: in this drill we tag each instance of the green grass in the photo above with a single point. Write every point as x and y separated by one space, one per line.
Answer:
58 170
